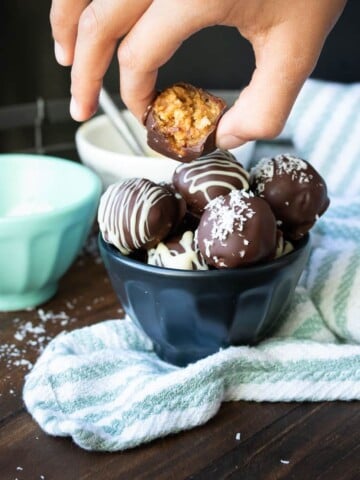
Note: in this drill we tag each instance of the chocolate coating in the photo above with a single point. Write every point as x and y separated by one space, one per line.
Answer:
181 204
178 252
136 214
181 122
237 230
189 222
295 191
208 177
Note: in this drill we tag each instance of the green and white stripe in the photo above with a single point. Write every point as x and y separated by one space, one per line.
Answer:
126 409
325 128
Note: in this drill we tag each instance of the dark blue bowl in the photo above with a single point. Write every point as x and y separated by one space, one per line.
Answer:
192 314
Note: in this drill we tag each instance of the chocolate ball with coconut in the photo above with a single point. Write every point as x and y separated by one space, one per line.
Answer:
137 214
237 230
295 191
203 179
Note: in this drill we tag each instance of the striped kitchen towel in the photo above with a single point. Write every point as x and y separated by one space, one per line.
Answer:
105 387
324 126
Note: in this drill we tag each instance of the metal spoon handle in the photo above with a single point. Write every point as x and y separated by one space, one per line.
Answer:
118 120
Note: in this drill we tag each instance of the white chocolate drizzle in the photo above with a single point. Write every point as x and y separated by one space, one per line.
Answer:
217 169
283 247
189 259
124 211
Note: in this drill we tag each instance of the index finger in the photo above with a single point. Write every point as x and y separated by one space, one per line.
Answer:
101 25
150 43
64 20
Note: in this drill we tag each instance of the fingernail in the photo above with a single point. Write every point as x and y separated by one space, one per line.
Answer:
59 53
229 141
75 110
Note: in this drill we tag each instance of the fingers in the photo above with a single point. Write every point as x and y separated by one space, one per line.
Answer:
284 59
86 34
64 19
264 105
151 42
101 25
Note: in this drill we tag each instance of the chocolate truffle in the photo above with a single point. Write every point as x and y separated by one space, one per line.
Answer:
294 190
237 230
136 214
208 177
178 252
181 122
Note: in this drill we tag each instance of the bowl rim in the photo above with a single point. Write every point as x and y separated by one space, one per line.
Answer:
83 135
94 190
101 120
303 245
83 139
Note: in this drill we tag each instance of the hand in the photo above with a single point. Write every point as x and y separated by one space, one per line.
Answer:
287 38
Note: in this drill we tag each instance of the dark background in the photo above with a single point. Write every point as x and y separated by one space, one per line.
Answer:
217 57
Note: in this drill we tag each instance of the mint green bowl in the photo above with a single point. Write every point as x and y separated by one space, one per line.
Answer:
47 207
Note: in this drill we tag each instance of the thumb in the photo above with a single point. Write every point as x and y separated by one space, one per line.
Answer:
263 106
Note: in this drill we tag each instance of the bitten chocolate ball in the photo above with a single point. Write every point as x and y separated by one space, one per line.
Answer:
208 177
136 214
181 122
178 252
237 230
294 190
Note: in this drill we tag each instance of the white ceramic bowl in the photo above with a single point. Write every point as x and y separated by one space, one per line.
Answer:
101 148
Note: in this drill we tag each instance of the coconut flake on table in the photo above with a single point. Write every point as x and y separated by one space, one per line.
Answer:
32 335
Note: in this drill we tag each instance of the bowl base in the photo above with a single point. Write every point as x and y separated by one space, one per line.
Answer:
181 358
21 301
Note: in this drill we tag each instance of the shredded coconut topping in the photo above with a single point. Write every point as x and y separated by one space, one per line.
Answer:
225 216
285 164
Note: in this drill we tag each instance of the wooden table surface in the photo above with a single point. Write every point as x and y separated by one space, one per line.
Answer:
277 440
